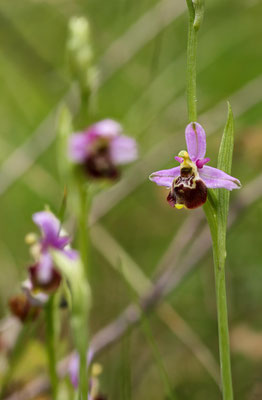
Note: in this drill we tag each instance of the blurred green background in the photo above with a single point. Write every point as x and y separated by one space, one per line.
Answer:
140 50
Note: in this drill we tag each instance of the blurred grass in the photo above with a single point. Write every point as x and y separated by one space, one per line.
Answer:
147 95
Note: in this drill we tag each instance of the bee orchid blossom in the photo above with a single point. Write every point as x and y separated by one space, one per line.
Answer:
189 182
43 274
102 148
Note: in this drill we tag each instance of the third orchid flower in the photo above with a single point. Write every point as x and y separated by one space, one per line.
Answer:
43 274
189 182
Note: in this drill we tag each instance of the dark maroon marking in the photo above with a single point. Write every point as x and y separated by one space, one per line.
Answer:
48 287
171 200
99 164
186 172
190 197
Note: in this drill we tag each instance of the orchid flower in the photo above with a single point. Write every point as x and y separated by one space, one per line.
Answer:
101 148
189 182
43 274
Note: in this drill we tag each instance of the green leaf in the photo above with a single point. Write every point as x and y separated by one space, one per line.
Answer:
73 271
64 130
210 209
224 163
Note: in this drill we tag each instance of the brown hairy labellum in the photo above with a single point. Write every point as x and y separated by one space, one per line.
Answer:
100 165
47 287
187 190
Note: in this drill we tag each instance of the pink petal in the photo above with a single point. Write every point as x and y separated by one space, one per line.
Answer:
179 159
44 268
70 253
196 141
48 224
78 147
165 177
73 369
201 163
123 150
215 178
106 128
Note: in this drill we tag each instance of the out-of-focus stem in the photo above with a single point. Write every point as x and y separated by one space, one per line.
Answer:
79 326
82 217
51 344
80 321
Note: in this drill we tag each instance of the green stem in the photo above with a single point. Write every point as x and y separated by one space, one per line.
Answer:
224 347
219 255
212 209
82 225
191 64
79 326
80 320
51 344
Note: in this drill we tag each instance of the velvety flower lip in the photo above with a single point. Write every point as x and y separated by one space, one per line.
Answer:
184 180
102 147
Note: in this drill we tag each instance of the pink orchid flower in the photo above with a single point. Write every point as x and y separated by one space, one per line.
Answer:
189 182
102 148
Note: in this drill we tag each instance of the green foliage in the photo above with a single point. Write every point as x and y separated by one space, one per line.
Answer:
225 163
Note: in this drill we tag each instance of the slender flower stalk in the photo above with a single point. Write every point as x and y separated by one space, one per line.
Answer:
218 227
219 255
217 209
191 64
80 301
83 209
51 343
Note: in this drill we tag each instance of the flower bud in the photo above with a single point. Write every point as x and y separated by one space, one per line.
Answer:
199 6
80 54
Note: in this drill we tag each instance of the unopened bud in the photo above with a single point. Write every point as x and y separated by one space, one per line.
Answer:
31 238
80 53
199 6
